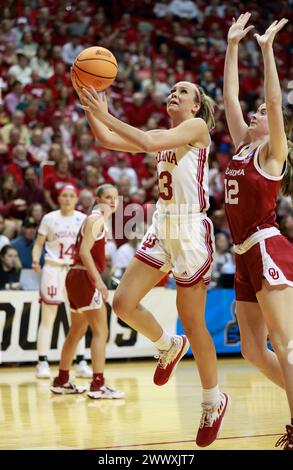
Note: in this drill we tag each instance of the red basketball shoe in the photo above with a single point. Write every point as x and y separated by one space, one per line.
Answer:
68 388
211 421
168 360
286 439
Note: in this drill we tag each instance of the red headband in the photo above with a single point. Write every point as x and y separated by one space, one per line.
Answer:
198 94
68 187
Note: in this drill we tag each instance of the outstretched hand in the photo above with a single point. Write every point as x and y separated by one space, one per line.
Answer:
268 37
237 31
94 102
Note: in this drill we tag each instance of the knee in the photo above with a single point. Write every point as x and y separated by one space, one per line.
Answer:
100 333
280 343
76 334
252 353
121 306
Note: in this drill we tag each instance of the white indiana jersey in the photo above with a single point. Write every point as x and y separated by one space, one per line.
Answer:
61 233
183 180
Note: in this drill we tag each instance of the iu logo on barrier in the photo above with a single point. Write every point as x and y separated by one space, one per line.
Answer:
52 291
273 273
150 241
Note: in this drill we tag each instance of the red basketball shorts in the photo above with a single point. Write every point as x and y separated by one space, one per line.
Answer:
81 291
270 259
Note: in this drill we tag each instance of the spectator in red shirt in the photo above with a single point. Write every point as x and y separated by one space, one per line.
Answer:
58 76
35 88
53 183
30 191
18 164
10 206
136 113
148 175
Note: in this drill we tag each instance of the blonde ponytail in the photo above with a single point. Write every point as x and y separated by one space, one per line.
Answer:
206 111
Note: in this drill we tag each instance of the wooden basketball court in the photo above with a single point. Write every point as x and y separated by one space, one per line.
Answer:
150 417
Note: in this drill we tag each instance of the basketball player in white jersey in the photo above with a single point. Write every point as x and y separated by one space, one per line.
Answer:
180 238
58 231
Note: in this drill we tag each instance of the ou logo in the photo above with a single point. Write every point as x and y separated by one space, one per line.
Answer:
273 273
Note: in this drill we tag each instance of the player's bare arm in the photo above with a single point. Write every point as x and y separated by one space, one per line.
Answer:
93 227
236 124
37 251
277 147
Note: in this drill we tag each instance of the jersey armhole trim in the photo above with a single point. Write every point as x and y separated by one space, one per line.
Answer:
263 172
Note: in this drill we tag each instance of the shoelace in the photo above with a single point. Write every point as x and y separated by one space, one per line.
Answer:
210 414
70 386
165 357
287 438
108 388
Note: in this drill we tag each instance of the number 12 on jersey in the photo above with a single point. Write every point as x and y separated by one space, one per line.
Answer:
231 191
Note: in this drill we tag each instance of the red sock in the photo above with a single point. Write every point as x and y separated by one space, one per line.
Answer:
99 378
63 376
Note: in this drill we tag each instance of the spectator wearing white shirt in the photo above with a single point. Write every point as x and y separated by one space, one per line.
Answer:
185 9
22 70
71 49
28 45
123 256
161 8
37 148
40 64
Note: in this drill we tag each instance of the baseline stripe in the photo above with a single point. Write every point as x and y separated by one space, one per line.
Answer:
184 440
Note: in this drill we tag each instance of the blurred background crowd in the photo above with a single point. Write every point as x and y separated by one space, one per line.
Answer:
45 141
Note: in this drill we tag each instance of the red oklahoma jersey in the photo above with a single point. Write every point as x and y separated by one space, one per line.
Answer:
250 195
97 251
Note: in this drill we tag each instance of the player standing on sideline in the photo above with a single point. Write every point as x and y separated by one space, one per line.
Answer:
87 295
264 258
58 231
187 246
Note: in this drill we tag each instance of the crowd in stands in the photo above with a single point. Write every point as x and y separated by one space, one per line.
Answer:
45 141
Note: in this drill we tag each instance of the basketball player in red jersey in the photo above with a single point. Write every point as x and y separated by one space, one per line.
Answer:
264 258
87 295
182 156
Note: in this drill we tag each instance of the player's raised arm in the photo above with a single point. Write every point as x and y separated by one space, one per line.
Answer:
237 126
188 131
278 147
106 137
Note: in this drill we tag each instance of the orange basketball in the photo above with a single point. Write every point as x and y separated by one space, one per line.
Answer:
95 66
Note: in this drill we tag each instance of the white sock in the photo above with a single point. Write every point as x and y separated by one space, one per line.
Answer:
49 313
164 342
211 395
